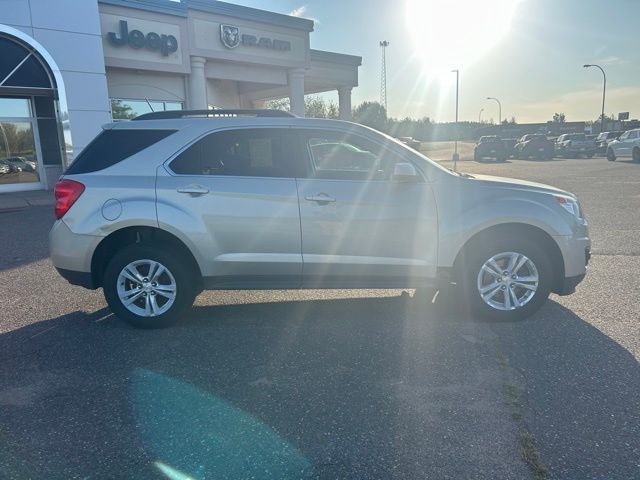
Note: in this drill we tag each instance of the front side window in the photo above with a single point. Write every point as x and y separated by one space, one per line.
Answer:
251 152
633 134
336 155
624 136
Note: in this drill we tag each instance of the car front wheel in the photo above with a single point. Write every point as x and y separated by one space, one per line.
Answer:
636 155
148 287
509 280
610 155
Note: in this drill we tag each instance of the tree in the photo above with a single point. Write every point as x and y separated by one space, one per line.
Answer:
371 114
559 118
121 111
314 107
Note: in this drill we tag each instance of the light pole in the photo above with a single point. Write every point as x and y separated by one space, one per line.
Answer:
604 91
499 109
480 115
456 157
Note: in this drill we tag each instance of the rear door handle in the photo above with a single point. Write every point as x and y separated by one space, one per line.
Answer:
320 198
194 190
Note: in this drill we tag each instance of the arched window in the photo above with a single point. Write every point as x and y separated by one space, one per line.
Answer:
22 67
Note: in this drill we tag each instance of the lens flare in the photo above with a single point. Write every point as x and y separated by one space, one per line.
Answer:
450 34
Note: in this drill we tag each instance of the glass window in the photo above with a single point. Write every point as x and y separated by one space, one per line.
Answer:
113 146
18 162
342 156
624 136
122 109
633 134
251 152
15 107
12 54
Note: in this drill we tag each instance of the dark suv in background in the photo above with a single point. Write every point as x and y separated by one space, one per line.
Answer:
490 146
534 145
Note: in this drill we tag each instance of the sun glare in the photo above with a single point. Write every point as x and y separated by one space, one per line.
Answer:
450 34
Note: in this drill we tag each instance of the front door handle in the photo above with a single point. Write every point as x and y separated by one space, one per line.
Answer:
321 198
194 190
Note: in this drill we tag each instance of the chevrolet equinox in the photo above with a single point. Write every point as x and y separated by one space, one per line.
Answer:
157 209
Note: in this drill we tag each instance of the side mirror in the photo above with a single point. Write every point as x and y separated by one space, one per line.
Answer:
405 172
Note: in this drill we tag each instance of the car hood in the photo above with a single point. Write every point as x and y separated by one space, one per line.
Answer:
513 183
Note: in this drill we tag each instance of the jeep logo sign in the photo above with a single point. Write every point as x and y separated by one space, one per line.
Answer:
166 44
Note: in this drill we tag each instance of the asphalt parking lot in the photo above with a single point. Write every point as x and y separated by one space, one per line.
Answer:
330 384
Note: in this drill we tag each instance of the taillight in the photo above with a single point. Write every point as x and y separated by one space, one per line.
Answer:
67 192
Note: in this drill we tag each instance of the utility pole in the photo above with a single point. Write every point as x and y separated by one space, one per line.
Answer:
604 91
456 157
499 110
383 75
480 115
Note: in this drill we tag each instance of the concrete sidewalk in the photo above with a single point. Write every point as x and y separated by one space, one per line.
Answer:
11 202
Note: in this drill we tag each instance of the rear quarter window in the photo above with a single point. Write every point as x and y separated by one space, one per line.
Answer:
112 146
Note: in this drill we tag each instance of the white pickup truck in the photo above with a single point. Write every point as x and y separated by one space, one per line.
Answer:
575 145
626 146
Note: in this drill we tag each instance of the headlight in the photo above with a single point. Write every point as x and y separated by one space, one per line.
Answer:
570 205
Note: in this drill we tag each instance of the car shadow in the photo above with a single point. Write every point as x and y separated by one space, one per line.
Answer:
389 387
22 236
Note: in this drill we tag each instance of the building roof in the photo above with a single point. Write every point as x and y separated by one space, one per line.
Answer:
324 56
214 6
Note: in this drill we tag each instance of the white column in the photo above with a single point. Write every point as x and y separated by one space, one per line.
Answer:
344 103
296 91
197 84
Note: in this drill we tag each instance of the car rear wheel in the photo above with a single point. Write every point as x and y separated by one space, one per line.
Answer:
636 155
148 287
610 155
508 280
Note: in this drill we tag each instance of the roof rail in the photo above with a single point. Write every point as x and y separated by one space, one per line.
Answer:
215 113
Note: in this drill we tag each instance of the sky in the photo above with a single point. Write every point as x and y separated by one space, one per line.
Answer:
527 53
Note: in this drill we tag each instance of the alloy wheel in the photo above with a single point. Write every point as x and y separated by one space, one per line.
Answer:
146 288
508 281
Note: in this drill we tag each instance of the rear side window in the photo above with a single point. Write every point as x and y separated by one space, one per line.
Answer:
250 152
113 146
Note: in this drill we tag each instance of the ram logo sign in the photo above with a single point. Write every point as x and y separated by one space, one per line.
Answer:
231 37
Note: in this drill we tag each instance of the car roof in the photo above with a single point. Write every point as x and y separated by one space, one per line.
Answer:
214 123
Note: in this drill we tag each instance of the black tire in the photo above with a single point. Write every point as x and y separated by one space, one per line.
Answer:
589 155
610 155
635 155
477 256
186 284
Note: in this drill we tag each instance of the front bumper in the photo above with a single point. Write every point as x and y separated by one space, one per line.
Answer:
82 279
569 285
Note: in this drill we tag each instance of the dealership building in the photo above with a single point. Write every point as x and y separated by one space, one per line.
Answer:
69 66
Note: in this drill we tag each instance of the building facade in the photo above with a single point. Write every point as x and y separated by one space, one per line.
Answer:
67 67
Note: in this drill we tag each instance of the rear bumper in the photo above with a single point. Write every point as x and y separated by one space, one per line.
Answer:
82 279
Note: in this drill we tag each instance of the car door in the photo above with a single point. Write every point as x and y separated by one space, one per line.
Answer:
360 228
233 195
623 147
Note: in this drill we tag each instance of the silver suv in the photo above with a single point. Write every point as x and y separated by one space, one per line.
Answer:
157 209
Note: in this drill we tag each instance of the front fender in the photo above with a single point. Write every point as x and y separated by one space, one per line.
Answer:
456 228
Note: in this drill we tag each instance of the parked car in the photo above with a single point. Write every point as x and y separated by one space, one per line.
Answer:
21 164
411 142
575 145
490 146
534 145
159 208
626 146
4 167
604 139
